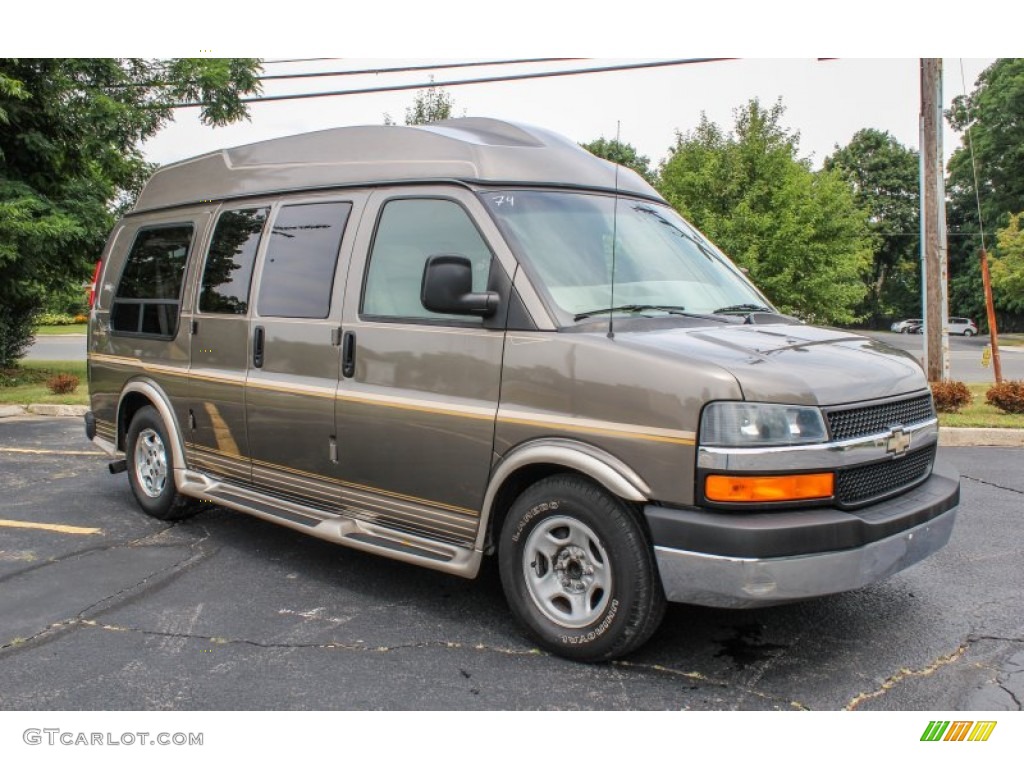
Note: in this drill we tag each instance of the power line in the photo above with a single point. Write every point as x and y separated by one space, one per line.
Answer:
292 61
468 81
974 163
417 68
350 72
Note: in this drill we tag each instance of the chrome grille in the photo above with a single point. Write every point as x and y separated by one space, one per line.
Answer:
860 485
858 422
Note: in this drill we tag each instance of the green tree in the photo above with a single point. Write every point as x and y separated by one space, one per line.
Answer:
1007 265
70 160
799 234
429 106
884 177
994 113
624 154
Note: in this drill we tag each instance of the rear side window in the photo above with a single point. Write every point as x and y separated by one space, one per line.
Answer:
298 271
228 270
408 232
148 298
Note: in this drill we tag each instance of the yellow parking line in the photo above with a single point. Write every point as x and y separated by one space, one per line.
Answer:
49 527
44 450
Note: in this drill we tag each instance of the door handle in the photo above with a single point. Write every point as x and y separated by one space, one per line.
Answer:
348 355
257 347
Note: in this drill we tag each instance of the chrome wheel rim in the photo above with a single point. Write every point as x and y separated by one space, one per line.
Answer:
567 572
150 463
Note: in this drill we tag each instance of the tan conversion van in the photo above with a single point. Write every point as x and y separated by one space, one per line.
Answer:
469 338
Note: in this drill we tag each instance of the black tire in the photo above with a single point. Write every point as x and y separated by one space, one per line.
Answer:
151 468
578 570
968 333
903 329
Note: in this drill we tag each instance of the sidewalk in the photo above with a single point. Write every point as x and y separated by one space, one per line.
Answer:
42 409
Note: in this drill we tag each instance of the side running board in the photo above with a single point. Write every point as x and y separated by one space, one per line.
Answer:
340 529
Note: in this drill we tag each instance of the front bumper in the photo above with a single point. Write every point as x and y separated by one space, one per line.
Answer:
745 561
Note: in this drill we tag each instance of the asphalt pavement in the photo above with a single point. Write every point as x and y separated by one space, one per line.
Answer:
105 608
965 355
62 347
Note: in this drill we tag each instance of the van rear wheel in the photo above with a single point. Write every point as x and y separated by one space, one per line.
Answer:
151 468
578 570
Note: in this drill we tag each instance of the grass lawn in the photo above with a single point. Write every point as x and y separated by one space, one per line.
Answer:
981 414
27 383
57 330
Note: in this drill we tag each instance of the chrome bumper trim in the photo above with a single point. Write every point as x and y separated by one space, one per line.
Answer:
859 450
737 582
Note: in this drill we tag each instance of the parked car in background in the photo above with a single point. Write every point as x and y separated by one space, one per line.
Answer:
961 326
903 326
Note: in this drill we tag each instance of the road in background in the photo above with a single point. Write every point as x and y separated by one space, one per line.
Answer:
69 347
965 355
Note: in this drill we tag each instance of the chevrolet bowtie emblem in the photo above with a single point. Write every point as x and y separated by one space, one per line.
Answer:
898 442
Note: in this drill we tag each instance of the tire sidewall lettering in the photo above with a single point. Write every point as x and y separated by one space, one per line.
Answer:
596 632
531 514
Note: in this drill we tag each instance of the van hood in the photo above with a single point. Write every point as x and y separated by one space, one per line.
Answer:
798 364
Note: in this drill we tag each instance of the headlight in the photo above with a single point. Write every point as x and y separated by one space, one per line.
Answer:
732 424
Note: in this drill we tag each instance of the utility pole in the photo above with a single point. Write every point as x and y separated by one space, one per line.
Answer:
990 310
933 224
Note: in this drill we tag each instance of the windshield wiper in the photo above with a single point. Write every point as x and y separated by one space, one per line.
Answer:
744 308
677 231
633 308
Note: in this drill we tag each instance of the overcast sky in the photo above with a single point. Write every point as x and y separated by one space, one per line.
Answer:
826 101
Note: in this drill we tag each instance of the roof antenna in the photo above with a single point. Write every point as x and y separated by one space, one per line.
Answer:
615 223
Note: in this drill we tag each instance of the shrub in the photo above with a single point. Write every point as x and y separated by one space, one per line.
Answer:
17 377
62 383
17 320
1007 396
80 318
56 318
950 396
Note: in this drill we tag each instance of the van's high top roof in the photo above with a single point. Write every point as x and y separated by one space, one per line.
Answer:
469 149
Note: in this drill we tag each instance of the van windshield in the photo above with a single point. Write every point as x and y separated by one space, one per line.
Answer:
660 260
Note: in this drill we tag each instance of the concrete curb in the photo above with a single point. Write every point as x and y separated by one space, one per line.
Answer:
962 437
42 409
53 409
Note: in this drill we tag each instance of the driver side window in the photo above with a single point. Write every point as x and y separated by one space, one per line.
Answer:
409 231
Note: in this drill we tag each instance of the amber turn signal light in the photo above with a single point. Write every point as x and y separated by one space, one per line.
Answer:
767 488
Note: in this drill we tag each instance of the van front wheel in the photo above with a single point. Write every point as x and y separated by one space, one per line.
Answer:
151 468
578 570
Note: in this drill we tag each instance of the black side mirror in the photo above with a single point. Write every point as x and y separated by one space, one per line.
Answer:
447 288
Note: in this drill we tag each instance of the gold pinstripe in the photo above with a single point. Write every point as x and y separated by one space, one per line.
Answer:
330 490
563 424
343 483
651 434
106 429
360 505
425 519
